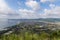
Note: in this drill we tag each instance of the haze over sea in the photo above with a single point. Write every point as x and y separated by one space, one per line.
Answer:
5 23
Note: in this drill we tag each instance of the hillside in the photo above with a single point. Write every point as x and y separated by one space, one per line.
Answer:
31 29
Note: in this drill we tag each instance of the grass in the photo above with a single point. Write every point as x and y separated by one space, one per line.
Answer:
28 36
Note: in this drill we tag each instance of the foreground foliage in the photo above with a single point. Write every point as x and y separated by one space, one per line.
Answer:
32 36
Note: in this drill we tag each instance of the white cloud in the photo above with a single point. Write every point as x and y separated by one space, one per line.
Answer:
33 4
13 15
5 10
52 13
3 6
29 0
42 0
52 5
29 14
47 1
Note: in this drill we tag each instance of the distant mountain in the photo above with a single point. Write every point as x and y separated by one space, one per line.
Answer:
50 19
37 20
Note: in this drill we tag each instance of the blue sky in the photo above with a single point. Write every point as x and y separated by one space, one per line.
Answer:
15 5
29 9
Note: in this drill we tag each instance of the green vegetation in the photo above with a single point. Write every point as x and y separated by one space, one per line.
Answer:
31 32
30 36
